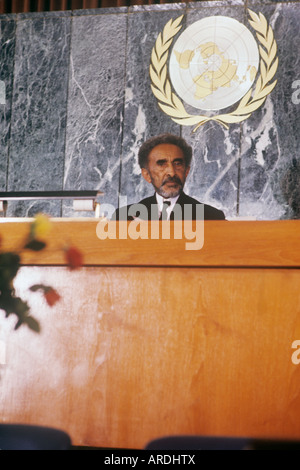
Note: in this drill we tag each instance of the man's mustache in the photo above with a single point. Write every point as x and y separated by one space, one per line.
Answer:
173 179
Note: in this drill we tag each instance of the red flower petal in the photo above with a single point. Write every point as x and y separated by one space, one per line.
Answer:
51 296
73 257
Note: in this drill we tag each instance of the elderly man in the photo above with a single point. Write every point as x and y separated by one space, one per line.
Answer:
165 163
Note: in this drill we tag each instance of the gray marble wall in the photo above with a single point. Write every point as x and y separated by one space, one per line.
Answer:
76 103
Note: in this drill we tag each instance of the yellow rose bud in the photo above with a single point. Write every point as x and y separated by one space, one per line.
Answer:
41 226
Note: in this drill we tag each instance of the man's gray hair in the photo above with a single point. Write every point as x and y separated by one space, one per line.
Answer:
149 144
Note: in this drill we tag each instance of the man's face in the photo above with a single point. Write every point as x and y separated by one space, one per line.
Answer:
166 170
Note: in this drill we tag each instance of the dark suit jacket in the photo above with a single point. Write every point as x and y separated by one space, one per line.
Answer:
185 208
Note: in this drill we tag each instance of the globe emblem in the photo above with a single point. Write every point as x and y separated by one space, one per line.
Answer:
214 63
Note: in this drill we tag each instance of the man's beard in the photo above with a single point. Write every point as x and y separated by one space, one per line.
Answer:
171 193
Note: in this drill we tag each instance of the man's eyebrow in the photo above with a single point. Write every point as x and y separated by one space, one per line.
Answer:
164 160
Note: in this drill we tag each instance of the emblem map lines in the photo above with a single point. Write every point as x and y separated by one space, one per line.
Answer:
169 102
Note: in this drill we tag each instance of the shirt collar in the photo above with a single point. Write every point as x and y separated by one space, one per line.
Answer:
160 200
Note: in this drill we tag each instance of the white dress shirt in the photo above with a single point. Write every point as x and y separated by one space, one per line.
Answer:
160 202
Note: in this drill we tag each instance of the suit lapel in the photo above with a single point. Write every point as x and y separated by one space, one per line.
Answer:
151 204
179 202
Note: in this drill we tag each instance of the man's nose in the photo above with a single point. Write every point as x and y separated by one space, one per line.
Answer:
170 169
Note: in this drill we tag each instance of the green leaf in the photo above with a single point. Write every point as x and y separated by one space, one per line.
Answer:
9 266
20 307
35 245
15 305
33 324
18 324
37 287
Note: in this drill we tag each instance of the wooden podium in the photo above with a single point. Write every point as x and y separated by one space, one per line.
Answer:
150 339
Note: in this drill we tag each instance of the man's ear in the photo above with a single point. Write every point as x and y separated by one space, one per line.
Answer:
187 171
146 175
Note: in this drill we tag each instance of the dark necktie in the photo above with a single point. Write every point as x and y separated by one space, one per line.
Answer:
163 215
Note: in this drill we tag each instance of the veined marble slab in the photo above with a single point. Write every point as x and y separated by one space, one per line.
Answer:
7 49
95 105
270 140
76 104
38 122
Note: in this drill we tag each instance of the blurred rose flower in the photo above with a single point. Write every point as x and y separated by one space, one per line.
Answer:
10 262
73 257
51 296
41 226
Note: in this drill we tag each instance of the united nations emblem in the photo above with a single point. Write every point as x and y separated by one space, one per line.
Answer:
215 63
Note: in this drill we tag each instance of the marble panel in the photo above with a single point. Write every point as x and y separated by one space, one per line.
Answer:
44 14
95 105
7 49
142 118
217 3
160 7
78 104
271 136
100 11
38 121
253 3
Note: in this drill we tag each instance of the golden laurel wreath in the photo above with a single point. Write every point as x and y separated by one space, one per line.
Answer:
173 106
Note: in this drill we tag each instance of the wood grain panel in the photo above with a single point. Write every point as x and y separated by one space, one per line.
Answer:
273 243
134 353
